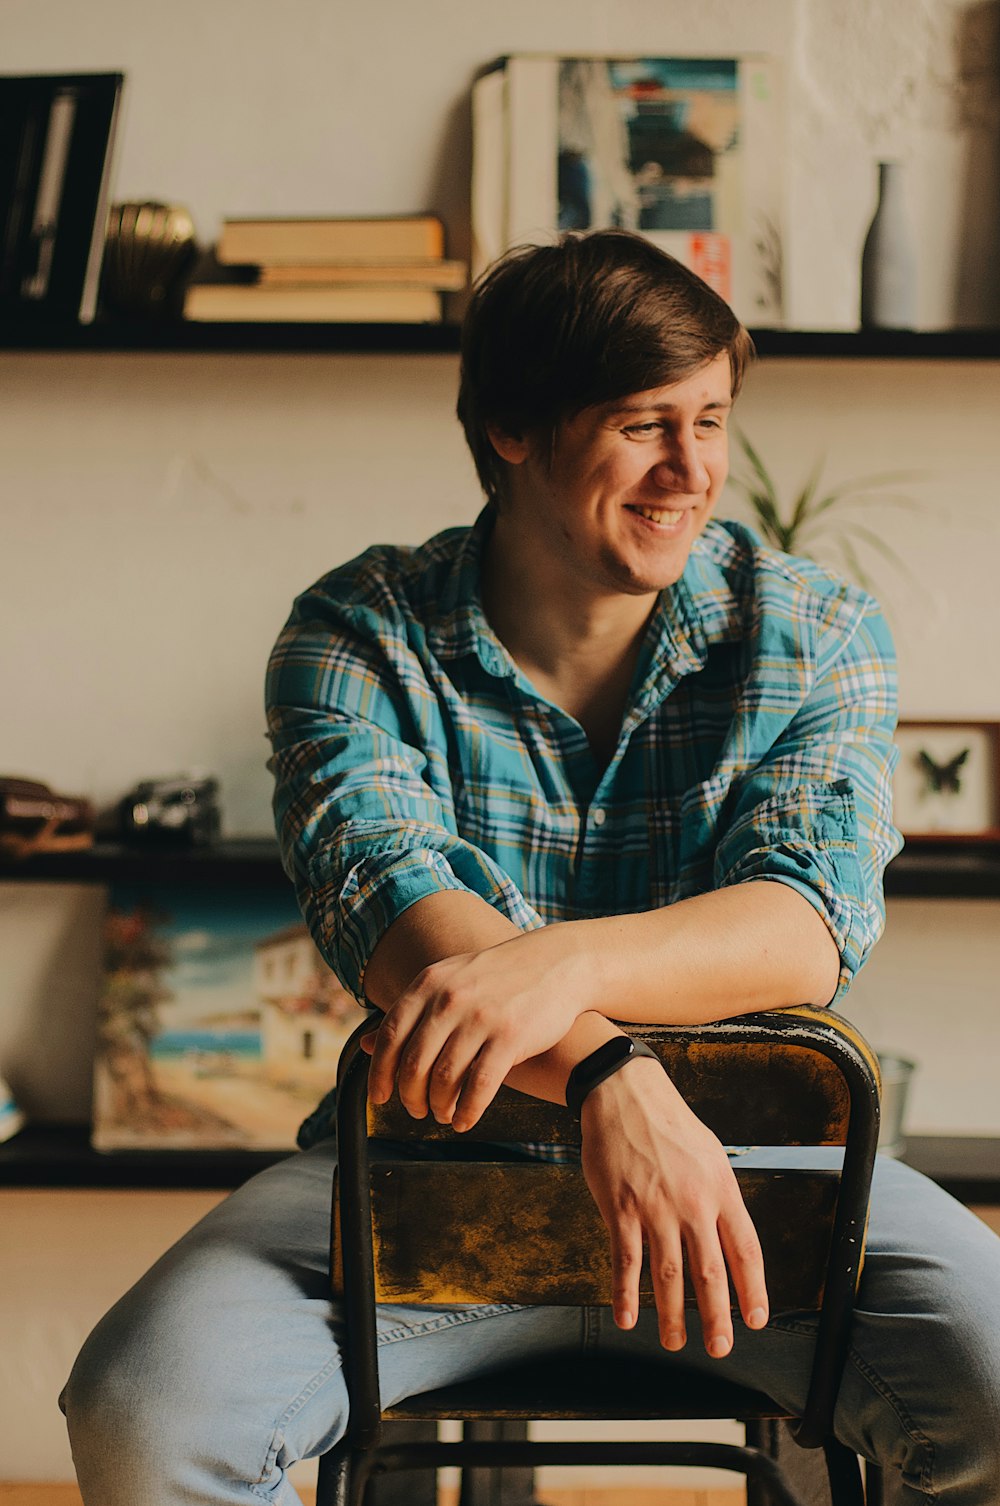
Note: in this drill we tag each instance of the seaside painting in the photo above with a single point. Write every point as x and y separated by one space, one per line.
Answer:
219 1024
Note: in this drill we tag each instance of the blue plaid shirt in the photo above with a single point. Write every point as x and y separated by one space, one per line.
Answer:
411 754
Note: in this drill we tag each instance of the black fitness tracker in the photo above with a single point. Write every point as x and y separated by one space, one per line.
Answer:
600 1064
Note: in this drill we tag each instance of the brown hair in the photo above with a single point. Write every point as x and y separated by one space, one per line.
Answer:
551 330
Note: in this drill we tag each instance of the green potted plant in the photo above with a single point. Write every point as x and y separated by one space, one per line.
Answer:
818 520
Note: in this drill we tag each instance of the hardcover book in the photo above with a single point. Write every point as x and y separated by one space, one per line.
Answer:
686 151
446 276
349 304
277 241
219 1025
56 142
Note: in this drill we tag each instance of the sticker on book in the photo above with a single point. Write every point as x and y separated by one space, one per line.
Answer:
219 1024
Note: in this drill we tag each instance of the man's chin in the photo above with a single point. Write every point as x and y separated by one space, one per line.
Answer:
634 580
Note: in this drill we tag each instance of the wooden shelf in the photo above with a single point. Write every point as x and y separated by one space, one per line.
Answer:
918 873
424 339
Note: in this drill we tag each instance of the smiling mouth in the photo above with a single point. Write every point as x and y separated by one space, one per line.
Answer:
667 516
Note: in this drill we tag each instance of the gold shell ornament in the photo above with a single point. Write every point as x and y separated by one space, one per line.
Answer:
149 253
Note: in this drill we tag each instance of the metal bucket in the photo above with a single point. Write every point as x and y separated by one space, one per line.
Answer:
896 1074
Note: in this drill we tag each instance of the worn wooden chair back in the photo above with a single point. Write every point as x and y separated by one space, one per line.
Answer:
477 1224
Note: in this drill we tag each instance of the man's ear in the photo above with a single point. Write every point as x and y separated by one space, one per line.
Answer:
510 447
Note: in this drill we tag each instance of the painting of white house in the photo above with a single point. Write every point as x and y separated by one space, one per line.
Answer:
219 1024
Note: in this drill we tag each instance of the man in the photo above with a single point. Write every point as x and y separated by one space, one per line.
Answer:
598 757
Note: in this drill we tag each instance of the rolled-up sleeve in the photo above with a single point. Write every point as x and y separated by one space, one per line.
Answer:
816 812
362 804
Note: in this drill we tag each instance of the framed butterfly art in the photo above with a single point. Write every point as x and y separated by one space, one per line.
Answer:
947 781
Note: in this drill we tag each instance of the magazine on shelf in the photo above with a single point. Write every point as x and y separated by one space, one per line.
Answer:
687 151
57 135
219 1025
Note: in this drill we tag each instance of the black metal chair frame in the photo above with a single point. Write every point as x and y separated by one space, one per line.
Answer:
362 1454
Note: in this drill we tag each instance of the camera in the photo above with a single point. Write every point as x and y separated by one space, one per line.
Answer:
182 811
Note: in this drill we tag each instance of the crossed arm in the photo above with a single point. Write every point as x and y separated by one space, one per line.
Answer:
394 891
472 1002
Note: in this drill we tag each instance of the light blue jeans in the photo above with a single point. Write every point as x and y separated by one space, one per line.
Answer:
221 1366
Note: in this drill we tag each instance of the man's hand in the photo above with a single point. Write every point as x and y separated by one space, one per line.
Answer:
660 1177
462 1024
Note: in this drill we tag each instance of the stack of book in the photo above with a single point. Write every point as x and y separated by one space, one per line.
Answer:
388 270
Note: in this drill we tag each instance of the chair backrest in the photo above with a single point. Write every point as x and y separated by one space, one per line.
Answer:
428 1216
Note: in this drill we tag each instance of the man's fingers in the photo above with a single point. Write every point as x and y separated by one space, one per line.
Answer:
666 1266
481 1083
707 1269
390 1042
741 1248
449 1075
626 1264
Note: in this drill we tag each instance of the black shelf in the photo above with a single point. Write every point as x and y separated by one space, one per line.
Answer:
60 1156
918 873
939 872
262 338
428 339
881 344
967 1166
237 860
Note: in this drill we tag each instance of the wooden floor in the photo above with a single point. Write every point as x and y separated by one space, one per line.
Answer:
68 1495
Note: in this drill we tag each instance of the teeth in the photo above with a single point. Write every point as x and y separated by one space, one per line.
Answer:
661 515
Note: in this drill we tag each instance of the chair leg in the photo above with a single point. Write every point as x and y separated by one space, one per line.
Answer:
761 1433
844 1471
486 1486
874 1485
333 1485
404 1487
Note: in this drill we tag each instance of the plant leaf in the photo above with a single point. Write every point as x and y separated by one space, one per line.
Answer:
884 549
855 566
804 504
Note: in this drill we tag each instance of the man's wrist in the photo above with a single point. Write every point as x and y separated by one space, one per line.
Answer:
601 1064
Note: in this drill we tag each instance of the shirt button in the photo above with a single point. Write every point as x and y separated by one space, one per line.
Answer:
598 817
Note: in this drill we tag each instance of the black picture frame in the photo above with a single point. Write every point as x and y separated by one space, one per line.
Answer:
947 782
57 135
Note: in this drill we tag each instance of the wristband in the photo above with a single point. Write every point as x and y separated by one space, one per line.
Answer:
601 1064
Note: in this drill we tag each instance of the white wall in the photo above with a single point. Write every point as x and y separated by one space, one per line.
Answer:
159 512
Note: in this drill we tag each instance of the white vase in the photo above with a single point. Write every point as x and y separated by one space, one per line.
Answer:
889 259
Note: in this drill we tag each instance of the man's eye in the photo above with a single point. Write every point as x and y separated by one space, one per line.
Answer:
640 429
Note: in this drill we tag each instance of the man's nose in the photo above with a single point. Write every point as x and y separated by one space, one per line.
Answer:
682 468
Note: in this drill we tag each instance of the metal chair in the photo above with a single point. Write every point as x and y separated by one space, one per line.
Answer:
801 1076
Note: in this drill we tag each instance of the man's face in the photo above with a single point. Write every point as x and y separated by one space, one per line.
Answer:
626 487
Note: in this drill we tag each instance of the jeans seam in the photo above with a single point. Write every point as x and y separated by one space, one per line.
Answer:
906 1422
431 1325
278 1433
441 1321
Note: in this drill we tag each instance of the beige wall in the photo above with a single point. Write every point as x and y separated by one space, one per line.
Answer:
159 512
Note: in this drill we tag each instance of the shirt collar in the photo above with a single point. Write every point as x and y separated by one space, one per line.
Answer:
460 626
700 609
